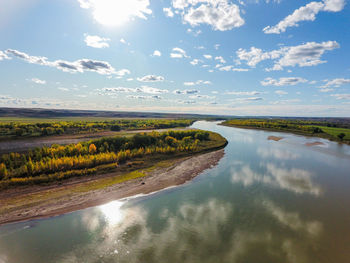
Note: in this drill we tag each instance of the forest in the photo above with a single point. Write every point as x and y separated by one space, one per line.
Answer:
324 129
21 129
58 162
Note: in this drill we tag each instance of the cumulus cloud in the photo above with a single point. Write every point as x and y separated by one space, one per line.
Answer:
291 81
168 11
281 92
220 59
113 13
243 93
334 83
151 78
308 54
195 61
208 56
221 15
38 81
122 72
249 99
156 53
305 13
198 82
81 65
232 68
140 97
201 97
191 91
142 89
178 53
341 96
96 41
3 55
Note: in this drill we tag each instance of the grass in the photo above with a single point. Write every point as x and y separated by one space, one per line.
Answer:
333 131
330 133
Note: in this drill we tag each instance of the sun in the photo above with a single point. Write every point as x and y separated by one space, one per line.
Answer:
118 12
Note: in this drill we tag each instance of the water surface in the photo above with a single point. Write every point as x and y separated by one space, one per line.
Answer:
266 201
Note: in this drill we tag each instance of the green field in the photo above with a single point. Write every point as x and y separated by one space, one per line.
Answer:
321 129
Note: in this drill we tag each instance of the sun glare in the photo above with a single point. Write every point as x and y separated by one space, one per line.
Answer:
112 212
118 12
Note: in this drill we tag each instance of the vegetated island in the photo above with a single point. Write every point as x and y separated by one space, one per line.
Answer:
54 180
330 129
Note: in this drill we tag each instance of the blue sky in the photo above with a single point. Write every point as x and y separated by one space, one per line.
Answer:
227 57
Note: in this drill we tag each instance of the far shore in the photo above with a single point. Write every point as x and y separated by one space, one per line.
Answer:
68 197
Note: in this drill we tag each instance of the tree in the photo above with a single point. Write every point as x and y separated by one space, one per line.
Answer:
341 136
92 148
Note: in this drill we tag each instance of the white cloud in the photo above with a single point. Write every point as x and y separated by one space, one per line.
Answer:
335 83
341 96
232 68
3 55
63 89
117 12
178 53
220 59
198 82
281 92
122 72
305 13
201 97
195 61
38 81
168 12
192 91
157 53
243 93
221 15
96 41
151 78
208 56
291 81
308 54
142 89
141 97
249 99
81 65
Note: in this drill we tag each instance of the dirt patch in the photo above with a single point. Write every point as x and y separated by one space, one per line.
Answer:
66 198
314 143
274 138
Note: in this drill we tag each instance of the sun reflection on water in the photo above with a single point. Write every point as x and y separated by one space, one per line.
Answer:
112 212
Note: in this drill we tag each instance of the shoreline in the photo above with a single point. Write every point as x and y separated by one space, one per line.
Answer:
286 131
176 172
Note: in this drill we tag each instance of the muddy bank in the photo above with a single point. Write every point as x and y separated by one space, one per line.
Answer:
274 138
63 198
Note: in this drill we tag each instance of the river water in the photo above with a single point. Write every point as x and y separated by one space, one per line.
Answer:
266 201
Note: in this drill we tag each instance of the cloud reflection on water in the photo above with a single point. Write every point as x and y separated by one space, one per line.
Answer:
292 179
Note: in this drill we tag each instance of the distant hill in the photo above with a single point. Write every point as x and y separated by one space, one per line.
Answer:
59 113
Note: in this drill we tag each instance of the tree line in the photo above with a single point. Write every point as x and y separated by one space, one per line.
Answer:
20 129
63 161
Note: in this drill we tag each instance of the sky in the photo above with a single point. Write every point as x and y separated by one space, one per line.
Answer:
239 57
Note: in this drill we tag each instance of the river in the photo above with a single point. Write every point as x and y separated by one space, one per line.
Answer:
266 201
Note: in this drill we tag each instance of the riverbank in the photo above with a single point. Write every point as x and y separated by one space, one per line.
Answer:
33 202
297 132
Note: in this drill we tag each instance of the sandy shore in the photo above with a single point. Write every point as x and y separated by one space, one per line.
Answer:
57 201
